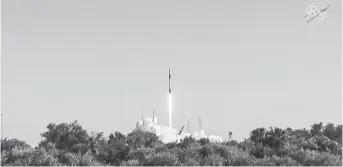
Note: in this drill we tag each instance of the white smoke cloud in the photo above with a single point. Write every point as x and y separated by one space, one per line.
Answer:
168 134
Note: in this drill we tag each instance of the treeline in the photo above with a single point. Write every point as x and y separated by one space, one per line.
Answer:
70 144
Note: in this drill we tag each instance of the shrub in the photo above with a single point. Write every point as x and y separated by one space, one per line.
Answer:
42 158
161 159
69 159
87 160
131 162
191 162
138 138
325 159
203 141
233 155
283 161
314 158
185 155
17 157
10 144
241 158
187 142
161 148
138 154
214 160
263 162
205 151
274 161
231 143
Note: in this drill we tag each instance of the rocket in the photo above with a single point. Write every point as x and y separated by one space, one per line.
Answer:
170 101
169 81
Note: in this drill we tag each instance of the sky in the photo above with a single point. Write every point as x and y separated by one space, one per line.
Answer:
238 64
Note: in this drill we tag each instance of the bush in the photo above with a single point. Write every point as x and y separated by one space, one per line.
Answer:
231 143
69 159
283 161
191 162
314 158
241 158
17 157
138 138
205 151
187 142
87 160
139 154
275 161
161 148
10 144
41 158
325 159
214 160
233 155
131 162
161 159
203 141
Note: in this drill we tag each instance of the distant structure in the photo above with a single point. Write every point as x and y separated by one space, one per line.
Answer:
153 120
199 127
181 130
142 116
153 115
188 123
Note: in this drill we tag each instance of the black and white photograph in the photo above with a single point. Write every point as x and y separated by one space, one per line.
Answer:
171 83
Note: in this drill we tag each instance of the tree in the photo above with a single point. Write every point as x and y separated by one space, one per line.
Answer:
71 137
186 142
10 144
257 135
338 134
330 131
302 133
205 151
316 129
138 138
204 141
333 133
117 149
230 135
94 142
274 138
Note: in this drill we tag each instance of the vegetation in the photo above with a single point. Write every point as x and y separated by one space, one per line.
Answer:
70 144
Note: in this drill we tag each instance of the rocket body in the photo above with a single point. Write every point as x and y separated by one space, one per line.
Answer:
170 101
169 81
